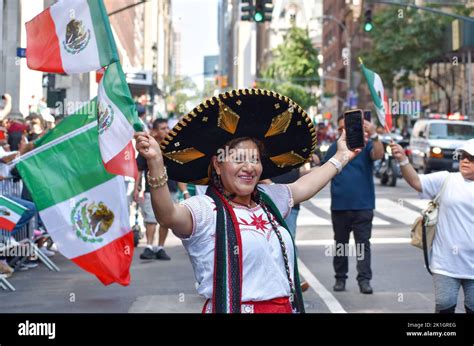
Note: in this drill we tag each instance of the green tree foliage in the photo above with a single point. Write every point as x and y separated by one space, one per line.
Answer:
409 41
294 68
405 41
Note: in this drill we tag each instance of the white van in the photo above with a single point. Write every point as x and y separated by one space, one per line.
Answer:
433 143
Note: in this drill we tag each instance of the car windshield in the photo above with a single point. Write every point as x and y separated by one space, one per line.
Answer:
451 131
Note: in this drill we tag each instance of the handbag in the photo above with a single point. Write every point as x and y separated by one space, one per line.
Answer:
424 228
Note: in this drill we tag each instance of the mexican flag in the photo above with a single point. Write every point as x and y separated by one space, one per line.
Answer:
10 213
71 36
376 91
83 206
117 117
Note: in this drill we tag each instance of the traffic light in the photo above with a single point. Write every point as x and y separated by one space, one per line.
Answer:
368 25
256 10
247 10
263 12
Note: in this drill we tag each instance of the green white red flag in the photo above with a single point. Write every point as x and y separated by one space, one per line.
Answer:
71 36
376 92
10 213
83 206
117 117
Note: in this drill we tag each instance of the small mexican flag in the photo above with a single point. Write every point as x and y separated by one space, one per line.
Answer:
83 207
117 120
71 36
376 91
10 213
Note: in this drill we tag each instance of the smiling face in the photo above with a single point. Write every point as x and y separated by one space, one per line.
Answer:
239 167
466 165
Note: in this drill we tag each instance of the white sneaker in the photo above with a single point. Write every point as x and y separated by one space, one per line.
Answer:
53 247
47 252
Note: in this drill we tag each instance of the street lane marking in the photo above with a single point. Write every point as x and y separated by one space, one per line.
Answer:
308 218
323 242
386 209
325 204
419 203
396 211
331 302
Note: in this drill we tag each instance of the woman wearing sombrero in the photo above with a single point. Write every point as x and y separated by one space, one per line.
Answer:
242 254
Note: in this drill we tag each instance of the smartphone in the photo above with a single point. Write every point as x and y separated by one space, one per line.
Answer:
367 115
354 126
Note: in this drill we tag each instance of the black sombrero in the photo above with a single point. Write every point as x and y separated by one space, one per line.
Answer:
286 131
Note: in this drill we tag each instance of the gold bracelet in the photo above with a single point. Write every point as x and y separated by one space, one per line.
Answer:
157 182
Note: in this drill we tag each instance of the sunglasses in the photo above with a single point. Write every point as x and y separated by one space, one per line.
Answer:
463 156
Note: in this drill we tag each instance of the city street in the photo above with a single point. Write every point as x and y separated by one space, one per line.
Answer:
400 281
114 111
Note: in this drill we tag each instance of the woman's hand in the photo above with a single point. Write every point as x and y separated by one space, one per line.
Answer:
147 146
343 153
398 152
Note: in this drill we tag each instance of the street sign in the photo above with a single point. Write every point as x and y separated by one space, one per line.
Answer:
21 52
139 77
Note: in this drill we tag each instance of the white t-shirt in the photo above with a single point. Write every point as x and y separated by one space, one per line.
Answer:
264 274
453 246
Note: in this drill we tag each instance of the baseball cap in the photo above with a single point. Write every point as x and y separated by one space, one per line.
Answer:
468 147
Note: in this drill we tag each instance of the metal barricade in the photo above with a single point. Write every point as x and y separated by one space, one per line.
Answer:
18 238
9 187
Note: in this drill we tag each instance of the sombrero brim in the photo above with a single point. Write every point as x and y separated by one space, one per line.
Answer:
284 128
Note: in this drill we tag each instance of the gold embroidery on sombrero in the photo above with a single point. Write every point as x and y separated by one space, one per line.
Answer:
287 159
279 124
185 155
228 119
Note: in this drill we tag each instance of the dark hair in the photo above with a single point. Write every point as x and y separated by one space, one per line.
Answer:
339 118
236 141
59 117
14 140
215 179
35 116
159 121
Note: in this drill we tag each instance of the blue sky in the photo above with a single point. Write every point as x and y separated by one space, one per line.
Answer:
197 20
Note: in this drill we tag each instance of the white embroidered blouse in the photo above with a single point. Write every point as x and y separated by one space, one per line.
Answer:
264 274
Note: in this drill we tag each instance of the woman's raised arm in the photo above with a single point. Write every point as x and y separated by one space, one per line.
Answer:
174 216
311 183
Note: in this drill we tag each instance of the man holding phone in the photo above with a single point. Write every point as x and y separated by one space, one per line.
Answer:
353 200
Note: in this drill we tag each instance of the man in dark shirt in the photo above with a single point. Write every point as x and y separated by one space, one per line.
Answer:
352 209
159 131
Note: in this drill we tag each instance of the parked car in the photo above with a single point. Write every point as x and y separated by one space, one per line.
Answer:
433 143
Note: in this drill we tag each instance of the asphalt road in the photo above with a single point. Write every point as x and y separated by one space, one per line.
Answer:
400 281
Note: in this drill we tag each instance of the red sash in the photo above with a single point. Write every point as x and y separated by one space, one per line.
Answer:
272 306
